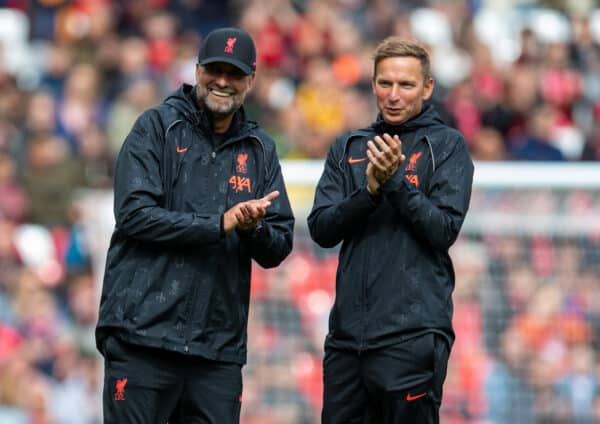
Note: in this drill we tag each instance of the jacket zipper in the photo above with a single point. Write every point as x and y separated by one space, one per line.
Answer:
365 295
213 155
188 329
364 308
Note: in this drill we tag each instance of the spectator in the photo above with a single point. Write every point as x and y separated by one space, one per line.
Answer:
509 398
579 387
536 143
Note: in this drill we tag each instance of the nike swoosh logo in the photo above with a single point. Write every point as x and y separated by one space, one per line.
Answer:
410 398
181 149
352 160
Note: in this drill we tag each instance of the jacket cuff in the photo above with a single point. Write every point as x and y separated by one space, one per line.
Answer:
360 200
398 188
375 198
394 183
259 232
205 229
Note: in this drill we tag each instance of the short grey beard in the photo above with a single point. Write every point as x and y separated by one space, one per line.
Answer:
219 114
201 102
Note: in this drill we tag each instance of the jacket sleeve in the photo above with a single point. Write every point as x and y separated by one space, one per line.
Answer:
140 195
336 214
438 216
271 242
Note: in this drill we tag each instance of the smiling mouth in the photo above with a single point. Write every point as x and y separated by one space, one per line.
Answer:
220 93
394 110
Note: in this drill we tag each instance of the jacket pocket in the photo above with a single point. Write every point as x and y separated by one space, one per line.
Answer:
135 293
441 353
111 349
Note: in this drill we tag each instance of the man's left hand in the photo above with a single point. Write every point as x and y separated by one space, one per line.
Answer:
249 213
385 153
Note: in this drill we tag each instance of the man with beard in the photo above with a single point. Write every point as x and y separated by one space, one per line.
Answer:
198 195
395 195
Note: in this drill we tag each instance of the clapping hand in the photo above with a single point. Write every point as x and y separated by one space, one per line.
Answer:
385 156
245 216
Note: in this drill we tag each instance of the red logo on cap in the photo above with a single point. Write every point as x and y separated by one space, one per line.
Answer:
230 43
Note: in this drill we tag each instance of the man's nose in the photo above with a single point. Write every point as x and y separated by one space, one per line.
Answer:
222 78
395 92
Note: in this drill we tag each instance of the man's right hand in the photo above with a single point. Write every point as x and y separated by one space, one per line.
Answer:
246 215
385 155
373 184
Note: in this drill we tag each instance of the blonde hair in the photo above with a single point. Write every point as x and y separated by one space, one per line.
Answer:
398 47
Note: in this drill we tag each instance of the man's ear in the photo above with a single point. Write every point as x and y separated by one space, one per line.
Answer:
198 72
251 80
428 90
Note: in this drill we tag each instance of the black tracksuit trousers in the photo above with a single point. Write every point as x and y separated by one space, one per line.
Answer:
397 384
153 386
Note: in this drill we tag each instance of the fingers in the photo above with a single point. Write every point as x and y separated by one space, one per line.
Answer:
244 219
241 218
385 153
246 215
258 208
272 195
388 144
246 223
255 209
375 160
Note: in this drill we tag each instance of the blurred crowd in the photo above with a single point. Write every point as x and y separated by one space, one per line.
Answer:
521 80
527 311
527 317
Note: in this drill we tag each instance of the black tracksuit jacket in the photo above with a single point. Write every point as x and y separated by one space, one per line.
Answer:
174 280
395 277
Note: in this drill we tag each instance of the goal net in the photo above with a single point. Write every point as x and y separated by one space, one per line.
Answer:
527 304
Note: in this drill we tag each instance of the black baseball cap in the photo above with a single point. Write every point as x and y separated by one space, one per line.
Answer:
229 45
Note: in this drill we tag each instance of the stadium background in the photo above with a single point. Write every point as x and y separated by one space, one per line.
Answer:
521 80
